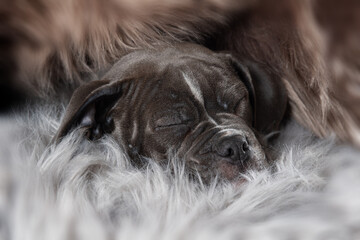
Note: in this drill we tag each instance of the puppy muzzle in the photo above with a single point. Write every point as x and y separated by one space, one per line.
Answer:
222 150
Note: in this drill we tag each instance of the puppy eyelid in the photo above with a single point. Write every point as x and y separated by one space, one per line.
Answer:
166 122
236 106
171 126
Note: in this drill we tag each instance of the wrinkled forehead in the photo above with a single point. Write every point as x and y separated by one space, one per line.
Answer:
189 67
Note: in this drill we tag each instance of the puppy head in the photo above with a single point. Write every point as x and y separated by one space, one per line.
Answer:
208 107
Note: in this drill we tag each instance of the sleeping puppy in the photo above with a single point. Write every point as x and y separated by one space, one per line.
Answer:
209 108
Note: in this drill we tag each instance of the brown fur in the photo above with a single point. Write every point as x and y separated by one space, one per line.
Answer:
55 42
312 46
290 43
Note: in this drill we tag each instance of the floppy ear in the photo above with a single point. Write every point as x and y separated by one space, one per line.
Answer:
267 95
89 107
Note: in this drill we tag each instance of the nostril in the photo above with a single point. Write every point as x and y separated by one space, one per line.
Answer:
245 146
229 152
226 149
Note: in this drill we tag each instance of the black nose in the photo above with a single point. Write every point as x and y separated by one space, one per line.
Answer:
234 148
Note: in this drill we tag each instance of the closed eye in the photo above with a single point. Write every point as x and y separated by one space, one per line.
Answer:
232 106
172 121
238 104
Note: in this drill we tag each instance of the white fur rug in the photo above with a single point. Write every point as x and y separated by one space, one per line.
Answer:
82 190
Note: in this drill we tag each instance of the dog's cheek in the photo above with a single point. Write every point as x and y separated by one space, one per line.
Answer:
165 140
153 147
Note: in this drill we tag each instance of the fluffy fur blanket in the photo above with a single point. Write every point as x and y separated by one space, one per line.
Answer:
84 190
